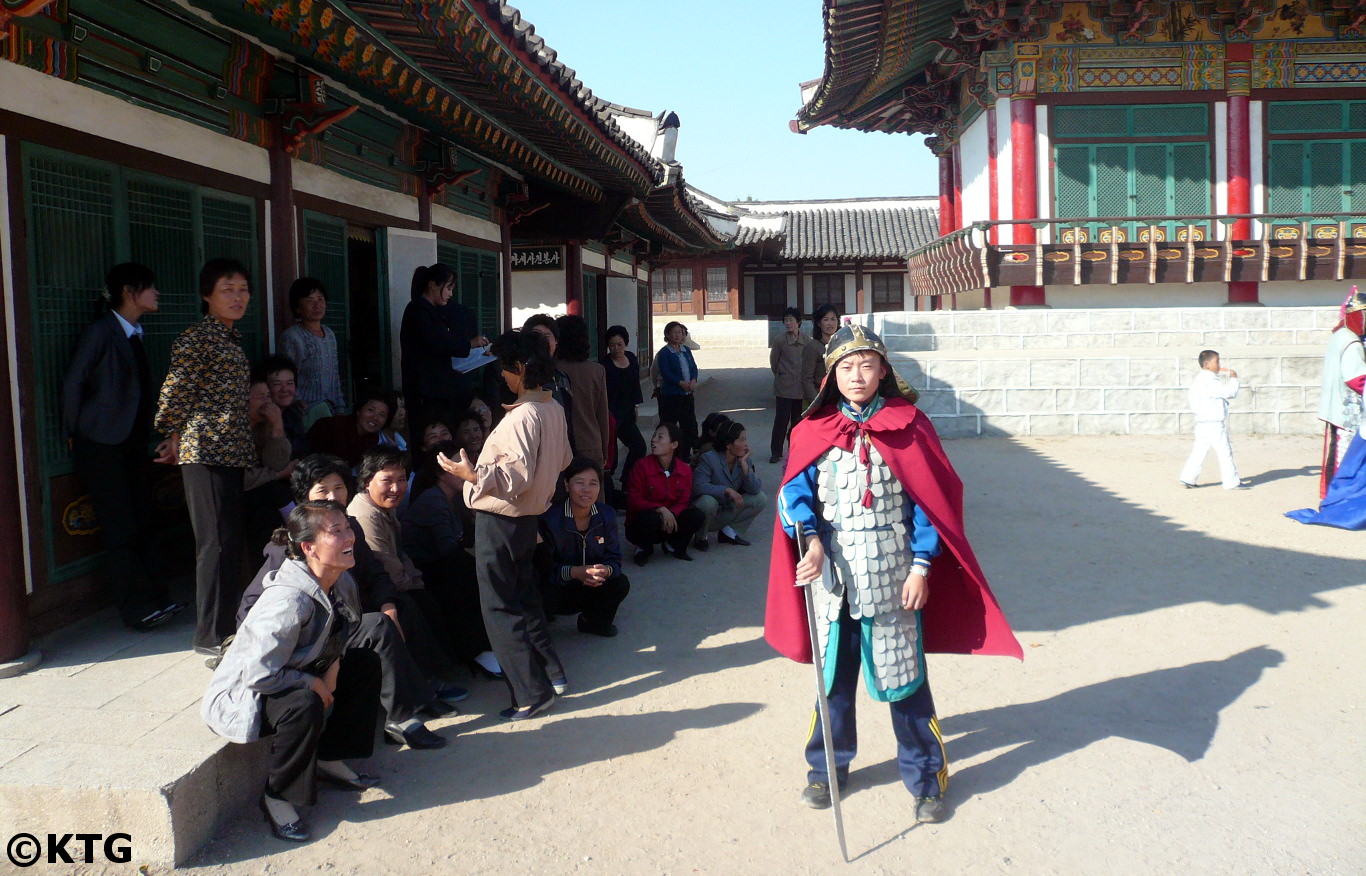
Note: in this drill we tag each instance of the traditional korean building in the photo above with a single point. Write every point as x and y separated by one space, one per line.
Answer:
848 252
346 141
1119 154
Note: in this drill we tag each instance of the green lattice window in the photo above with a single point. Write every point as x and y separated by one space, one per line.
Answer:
1132 179
1316 117
325 260
83 217
1158 120
476 284
1317 176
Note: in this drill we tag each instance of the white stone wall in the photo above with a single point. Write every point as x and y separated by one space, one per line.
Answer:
1107 372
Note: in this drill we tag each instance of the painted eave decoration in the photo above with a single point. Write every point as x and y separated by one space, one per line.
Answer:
471 70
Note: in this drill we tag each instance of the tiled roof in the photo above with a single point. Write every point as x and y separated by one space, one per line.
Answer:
851 232
845 229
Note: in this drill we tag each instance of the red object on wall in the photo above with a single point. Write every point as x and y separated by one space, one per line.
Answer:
947 209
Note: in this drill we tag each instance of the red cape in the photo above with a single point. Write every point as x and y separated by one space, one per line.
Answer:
962 616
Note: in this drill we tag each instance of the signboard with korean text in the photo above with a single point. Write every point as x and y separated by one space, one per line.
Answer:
537 258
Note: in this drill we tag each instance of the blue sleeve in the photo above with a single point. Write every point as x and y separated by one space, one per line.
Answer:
924 537
797 503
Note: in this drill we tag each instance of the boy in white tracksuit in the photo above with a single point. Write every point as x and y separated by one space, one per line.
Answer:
1209 395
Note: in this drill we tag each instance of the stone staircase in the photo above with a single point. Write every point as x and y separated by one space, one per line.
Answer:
1107 371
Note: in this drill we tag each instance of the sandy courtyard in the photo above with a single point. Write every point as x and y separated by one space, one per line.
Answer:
1190 701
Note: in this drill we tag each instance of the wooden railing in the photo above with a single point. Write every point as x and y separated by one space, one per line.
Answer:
1110 250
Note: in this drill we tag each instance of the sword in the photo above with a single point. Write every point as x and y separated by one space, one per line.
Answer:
822 702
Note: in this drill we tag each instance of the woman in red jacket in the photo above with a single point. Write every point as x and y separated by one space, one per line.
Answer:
657 494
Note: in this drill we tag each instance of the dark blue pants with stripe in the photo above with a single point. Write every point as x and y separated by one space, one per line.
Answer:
919 747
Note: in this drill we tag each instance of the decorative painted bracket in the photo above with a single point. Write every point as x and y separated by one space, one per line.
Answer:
25 9
520 212
438 178
301 121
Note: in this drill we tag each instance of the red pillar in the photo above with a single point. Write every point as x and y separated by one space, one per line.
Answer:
1024 180
1238 78
957 187
573 279
947 207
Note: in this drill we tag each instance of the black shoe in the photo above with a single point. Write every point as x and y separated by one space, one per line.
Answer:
607 631
512 713
773 459
642 556
680 553
817 795
450 693
294 832
478 668
701 543
157 617
929 810
438 708
361 782
733 539
418 737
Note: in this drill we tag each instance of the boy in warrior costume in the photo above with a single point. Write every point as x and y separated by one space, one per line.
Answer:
881 507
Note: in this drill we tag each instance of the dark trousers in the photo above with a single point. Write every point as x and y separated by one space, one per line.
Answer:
679 409
403 690
645 530
511 603
213 493
420 616
453 583
788 413
115 476
595 606
628 433
302 732
919 747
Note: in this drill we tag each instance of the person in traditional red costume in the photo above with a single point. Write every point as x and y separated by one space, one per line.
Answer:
894 576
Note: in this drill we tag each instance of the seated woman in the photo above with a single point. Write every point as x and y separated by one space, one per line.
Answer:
579 554
657 494
727 490
351 435
383 484
281 376
432 531
714 422
289 674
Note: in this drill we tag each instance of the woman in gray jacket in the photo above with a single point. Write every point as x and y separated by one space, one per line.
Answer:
289 675
726 489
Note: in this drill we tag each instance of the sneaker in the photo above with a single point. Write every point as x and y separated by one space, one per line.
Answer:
817 795
929 810
560 685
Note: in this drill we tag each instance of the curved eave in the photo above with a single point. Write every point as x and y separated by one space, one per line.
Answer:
672 207
873 48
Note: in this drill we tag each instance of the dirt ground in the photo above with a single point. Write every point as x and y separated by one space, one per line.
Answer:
1190 701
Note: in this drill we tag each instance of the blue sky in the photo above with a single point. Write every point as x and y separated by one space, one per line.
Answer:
730 70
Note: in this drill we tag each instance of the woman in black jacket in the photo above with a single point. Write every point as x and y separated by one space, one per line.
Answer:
580 554
431 335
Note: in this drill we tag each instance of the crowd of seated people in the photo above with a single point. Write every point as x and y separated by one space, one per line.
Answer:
349 562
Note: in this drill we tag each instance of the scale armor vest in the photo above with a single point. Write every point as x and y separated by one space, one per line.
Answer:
869 558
